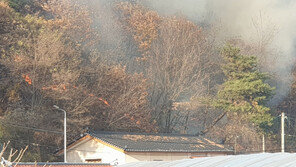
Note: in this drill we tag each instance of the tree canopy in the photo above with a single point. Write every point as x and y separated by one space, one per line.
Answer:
123 66
245 90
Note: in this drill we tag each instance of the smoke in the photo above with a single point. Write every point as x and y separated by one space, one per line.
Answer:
267 23
114 46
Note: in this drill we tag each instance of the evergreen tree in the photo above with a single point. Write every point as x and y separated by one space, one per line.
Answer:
245 91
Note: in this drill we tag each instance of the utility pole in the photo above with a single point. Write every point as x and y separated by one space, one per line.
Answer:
65 136
235 145
283 131
65 132
263 143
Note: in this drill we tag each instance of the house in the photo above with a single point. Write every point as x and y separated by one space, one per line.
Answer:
123 147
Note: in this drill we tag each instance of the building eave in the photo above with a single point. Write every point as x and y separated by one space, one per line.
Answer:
109 144
88 137
73 144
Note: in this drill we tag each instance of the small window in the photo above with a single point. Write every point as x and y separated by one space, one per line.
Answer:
98 160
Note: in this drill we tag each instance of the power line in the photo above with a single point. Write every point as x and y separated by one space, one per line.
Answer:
58 132
32 144
30 128
56 148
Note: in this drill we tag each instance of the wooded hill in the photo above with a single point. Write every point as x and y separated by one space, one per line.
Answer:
122 66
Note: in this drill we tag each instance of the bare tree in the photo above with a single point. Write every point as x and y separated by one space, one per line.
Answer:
178 68
14 155
73 19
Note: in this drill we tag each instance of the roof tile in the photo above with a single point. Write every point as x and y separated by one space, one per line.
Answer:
140 142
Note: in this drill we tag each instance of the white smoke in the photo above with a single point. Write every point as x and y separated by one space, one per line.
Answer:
271 21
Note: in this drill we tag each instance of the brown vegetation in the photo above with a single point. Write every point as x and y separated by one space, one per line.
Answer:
156 74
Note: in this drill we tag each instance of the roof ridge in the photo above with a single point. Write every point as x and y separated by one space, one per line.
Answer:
185 142
144 133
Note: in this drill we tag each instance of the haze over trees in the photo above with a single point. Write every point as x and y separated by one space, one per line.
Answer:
124 66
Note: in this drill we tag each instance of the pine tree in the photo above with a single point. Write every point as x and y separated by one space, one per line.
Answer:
245 91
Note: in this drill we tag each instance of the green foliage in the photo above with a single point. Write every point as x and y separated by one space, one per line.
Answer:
24 6
245 90
17 4
31 156
15 29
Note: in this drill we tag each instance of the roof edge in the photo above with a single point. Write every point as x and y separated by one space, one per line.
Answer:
183 151
89 136
73 143
104 142
58 163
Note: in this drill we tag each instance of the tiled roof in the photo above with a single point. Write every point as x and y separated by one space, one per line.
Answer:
61 164
140 142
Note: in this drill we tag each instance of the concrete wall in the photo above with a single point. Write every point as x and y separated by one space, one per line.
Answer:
92 149
156 156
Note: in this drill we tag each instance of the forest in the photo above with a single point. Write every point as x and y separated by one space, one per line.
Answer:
210 68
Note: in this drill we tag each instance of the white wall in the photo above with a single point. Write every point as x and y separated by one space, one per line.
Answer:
155 156
165 156
92 149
